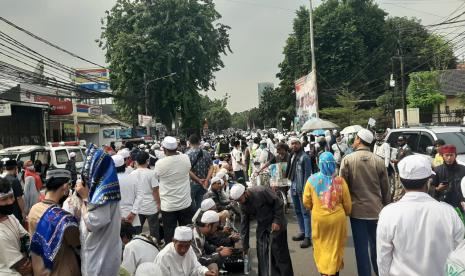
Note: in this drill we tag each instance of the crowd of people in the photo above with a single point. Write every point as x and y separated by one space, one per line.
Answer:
173 207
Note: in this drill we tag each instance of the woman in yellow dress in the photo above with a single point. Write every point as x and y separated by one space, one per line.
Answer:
328 198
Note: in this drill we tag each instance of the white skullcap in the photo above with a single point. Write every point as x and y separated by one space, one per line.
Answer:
183 233
144 269
222 174
210 217
217 179
124 153
415 167
206 144
147 150
170 143
263 142
207 204
294 139
155 146
236 191
327 133
72 155
365 135
118 159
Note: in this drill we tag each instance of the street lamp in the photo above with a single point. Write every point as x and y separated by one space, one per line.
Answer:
146 84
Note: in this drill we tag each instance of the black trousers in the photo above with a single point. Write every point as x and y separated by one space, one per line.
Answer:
281 264
154 225
172 219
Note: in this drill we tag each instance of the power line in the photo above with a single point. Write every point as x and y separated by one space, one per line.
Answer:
48 42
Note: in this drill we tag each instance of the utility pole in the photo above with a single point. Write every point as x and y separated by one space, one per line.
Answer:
402 78
312 49
145 94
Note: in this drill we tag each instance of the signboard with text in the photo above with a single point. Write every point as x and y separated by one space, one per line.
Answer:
306 98
5 109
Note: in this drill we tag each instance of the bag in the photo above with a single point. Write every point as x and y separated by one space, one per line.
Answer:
196 160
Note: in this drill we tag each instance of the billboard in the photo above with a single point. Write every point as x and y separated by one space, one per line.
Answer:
97 79
306 99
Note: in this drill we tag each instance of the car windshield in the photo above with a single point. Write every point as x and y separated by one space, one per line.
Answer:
454 138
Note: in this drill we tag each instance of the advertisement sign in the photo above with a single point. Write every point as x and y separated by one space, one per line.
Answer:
306 98
108 133
5 109
68 129
145 120
57 106
125 133
92 128
95 79
92 75
95 111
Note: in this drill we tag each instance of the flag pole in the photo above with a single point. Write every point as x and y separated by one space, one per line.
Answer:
312 48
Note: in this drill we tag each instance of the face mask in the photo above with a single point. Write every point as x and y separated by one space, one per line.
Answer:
7 209
262 146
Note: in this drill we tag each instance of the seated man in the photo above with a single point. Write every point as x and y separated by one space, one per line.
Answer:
13 260
138 249
178 258
208 255
54 230
221 203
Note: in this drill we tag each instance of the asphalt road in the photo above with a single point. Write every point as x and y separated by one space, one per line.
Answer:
302 259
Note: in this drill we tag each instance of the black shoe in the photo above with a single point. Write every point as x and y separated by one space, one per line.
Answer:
306 243
299 237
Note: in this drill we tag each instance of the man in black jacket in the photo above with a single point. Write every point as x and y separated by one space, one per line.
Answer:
262 203
448 178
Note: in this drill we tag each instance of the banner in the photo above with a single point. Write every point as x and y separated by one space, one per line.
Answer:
306 99
94 79
144 120
5 109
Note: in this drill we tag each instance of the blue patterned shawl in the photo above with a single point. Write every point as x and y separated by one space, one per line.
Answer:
99 173
323 180
49 234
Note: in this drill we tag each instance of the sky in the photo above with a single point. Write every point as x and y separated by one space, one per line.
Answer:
259 29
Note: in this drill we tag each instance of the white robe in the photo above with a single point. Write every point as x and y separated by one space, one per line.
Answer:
136 252
101 245
169 263
128 189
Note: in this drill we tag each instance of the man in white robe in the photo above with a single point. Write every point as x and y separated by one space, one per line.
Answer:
178 258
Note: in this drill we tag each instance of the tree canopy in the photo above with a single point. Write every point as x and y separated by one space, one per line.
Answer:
158 38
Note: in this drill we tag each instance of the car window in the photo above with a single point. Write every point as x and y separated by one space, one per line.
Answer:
24 157
78 153
392 139
43 156
62 156
455 138
426 140
412 140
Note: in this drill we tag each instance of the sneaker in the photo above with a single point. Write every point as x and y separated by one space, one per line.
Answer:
306 243
299 237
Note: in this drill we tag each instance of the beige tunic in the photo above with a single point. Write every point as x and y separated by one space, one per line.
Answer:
66 263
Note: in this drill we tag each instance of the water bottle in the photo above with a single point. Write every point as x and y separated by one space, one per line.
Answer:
246 264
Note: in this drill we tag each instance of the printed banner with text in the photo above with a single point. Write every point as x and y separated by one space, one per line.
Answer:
306 99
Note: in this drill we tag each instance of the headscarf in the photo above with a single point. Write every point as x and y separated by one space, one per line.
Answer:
99 173
29 166
50 231
327 187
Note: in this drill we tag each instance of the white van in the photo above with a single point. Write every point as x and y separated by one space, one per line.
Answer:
50 156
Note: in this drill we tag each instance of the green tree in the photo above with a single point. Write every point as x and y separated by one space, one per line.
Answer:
423 91
216 113
157 38
348 112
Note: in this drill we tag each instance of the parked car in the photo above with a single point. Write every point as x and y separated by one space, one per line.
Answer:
50 156
421 139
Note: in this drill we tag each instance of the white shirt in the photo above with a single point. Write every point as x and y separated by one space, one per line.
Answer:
145 182
236 156
172 173
415 235
136 252
169 263
383 151
128 189
101 245
337 153
10 233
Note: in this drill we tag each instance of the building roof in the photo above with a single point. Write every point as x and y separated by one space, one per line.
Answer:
99 120
452 82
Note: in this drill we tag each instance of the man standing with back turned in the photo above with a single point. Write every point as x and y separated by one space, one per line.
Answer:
367 178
